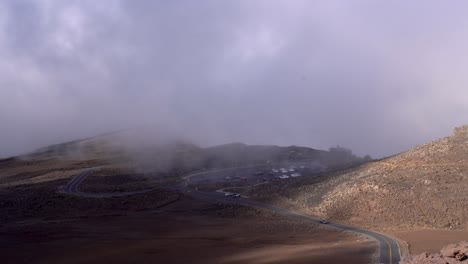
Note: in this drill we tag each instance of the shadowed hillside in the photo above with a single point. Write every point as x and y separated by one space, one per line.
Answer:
238 154
174 157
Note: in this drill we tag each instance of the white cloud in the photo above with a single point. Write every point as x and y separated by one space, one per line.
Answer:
285 72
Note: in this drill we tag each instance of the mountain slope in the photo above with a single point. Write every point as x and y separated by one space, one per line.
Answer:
425 187
157 154
237 154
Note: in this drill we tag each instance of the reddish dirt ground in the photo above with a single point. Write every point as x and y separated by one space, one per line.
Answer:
431 240
184 232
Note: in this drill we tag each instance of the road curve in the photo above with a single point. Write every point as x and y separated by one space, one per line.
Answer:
72 187
389 248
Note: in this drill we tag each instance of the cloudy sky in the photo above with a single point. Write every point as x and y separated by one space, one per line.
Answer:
374 76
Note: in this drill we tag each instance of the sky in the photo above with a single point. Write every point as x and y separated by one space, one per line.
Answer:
377 77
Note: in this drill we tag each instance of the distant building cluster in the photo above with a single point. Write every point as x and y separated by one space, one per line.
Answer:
287 173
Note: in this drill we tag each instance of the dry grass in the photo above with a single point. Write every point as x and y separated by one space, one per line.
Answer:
50 176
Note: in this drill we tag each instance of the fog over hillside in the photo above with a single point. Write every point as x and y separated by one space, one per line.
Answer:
375 77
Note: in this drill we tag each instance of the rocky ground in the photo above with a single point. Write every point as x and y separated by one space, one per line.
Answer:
42 202
28 192
116 179
451 254
38 224
424 187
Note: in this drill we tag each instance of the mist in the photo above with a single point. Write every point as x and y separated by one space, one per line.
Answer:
376 77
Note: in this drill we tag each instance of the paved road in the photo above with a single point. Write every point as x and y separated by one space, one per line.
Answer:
72 187
389 248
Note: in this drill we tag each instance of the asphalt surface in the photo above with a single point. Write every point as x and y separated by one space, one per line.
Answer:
389 248
72 187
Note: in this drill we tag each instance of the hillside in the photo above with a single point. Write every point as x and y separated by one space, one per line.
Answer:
34 210
150 153
425 187
237 154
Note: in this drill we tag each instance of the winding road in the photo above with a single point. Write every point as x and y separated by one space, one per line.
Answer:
389 248
72 187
